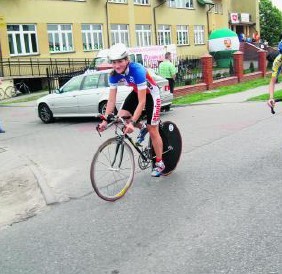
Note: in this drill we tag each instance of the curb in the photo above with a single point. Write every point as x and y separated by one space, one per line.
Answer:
46 191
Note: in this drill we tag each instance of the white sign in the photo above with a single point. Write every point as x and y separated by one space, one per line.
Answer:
234 18
245 17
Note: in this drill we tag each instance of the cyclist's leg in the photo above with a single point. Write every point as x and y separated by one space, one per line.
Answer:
153 108
129 105
156 139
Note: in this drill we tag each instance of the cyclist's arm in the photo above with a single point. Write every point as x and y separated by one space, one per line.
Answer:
111 101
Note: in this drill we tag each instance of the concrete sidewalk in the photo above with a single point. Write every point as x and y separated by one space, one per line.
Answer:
23 189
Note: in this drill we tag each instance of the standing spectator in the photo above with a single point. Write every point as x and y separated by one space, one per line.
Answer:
1 129
256 37
168 71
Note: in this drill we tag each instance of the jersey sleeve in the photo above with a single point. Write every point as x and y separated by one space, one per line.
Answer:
139 74
113 80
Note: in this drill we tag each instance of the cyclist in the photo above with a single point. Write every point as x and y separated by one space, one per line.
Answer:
145 95
276 69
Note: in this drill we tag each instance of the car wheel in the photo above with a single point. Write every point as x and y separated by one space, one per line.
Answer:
45 114
103 106
166 108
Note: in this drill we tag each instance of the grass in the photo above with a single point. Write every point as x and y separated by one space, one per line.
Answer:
25 99
197 97
264 97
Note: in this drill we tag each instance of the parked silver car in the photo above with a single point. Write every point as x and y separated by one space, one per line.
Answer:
86 95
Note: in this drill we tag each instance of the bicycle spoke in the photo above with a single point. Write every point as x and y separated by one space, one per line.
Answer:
111 176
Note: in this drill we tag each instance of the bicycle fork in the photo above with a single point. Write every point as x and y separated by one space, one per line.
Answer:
119 146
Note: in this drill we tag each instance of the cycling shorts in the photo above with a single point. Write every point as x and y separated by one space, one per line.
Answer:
152 107
276 67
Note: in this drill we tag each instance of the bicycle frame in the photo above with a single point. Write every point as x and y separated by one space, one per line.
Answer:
121 136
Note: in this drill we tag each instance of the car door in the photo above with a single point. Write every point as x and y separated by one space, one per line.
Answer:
88 99
65 103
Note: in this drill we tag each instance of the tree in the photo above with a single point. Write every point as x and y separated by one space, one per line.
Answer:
270 22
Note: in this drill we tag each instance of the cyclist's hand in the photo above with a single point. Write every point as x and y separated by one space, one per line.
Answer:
129 128
271 103
102 126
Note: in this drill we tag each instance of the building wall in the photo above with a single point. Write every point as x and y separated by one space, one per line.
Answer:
247 6
42 12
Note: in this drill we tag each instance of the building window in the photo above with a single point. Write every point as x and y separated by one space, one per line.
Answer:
182 35
22 39
60 38
92 36
143 35
218 8
141 2
120 34
180 4
118 1
164 35
199 35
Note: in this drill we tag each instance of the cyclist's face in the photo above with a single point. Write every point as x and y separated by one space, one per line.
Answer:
120 65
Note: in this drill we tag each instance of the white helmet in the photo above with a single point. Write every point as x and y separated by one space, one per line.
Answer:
117 52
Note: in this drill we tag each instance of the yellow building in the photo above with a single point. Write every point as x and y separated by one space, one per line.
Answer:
79 28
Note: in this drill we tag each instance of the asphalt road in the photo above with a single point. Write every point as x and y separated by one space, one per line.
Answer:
220 212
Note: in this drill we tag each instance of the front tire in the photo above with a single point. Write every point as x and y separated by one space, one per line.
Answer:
112 170
45 114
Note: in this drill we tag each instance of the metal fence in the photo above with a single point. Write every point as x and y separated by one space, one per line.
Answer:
189 70
12 67
223 68
57 77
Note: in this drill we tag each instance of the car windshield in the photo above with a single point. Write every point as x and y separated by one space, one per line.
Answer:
73 84
90 81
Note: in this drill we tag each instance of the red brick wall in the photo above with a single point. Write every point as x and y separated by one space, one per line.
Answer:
209 83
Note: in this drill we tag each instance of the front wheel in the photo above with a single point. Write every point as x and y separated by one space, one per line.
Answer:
45 114
112 169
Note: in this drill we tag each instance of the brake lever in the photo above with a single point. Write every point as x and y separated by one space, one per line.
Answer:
97 128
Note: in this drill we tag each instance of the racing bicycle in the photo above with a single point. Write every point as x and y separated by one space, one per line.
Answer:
113 165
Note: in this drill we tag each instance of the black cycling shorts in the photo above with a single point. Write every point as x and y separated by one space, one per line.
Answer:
152 107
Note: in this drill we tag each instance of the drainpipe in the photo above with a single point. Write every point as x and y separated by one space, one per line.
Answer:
208 25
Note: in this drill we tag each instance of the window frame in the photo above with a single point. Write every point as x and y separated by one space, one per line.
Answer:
62 36
163 34
181 32
181 4
143 35
199 34
94 35
120 35
118 1
137 2
21 45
